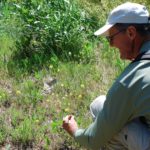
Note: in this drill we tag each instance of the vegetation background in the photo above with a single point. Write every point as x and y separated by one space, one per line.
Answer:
52 65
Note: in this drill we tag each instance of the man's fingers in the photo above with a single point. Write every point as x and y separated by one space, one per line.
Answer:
68 118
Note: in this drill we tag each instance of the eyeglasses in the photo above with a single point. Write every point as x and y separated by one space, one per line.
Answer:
110 38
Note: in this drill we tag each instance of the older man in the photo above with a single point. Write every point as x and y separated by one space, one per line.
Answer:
122 118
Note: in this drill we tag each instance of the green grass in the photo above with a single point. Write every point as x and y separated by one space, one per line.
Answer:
31 119
35 120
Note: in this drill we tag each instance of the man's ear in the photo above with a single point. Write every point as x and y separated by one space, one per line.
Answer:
131 32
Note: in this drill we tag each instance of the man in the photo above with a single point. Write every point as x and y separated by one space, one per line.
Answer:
121 119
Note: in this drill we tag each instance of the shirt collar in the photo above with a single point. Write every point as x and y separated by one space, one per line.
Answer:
145 47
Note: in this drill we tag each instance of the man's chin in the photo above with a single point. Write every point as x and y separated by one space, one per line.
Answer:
125 58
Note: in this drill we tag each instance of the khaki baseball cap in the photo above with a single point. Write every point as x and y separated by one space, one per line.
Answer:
125 13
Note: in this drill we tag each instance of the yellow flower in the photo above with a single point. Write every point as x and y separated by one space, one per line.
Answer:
51 66
67 110
62 85
82 86
70 53
37 121
71 94
48 100
18 92
80 96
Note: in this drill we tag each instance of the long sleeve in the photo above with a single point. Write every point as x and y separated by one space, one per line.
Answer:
111 119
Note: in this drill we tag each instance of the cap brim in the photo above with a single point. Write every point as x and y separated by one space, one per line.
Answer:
103 30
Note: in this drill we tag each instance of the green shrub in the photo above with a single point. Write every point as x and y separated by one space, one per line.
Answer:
56 27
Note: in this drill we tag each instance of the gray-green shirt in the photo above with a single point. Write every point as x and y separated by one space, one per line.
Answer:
128 98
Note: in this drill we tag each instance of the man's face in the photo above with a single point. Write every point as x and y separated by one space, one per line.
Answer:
120 39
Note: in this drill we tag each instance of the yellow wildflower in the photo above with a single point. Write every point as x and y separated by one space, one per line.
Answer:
82 86
80 96
18 92
67 110
62 85
51 66
37 121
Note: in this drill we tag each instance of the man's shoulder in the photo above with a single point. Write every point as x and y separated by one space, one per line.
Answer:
135 73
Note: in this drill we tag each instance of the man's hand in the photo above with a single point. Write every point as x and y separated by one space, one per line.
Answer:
69 124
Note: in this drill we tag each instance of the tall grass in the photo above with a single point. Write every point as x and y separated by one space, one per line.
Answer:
49 29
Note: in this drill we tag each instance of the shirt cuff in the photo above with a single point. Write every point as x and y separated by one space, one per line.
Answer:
78 133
